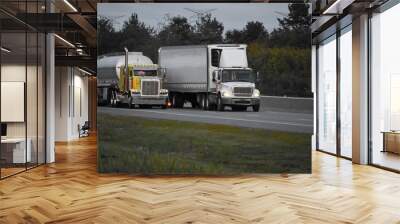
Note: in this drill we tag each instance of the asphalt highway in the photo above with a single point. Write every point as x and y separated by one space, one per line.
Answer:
264 119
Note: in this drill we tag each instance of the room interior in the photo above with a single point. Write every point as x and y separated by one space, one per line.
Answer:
22 101
337 191
24 59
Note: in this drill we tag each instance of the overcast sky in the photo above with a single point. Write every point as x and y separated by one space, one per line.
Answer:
232 15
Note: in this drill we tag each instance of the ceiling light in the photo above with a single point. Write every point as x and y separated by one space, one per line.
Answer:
84 71
337 7
333 6
5 50
70 5
80 51
64 40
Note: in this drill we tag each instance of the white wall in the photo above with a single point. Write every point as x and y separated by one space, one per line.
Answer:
314 91
71 102
33 126
62 82
10 73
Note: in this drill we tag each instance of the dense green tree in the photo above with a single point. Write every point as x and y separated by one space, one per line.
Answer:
107 39
294 29
254 31
209 30
137 36
234 36
286 69
283 71
298 17
177 31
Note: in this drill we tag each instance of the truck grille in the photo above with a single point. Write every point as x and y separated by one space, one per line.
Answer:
243 91
150 88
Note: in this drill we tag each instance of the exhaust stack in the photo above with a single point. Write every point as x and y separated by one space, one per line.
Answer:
126 77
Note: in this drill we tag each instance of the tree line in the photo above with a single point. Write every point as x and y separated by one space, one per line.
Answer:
281 56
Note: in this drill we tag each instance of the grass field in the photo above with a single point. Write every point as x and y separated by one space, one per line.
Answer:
146 146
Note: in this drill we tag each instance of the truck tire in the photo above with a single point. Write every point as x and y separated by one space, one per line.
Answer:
194 103
256 107
111 101
220 106
130 105
203 102
177 101
173 101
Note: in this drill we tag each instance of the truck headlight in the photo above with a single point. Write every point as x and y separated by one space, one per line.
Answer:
227 93
163 91
256 93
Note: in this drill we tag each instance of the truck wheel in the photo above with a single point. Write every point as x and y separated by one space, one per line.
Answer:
220 106
208 105
181 101
194 104
130 103
177 101
256 107
173 101
112 101
203 102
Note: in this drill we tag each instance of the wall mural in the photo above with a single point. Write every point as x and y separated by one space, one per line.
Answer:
214 89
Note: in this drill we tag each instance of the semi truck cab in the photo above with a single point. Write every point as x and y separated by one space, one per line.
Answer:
131 79
235 87
144 85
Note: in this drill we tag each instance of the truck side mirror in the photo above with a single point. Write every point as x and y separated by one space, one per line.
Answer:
214 76
257 76
163 72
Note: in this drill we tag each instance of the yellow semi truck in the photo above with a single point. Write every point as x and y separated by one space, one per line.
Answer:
131 80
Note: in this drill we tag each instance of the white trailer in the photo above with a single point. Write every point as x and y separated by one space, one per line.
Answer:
210 76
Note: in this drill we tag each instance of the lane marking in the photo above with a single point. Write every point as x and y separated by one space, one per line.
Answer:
223 118
288 97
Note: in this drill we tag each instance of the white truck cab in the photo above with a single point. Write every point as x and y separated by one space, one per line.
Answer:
236 87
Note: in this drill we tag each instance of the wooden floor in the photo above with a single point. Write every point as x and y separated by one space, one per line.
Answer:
71 191
8 171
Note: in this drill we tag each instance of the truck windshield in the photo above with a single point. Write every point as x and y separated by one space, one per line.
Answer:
145 72
237 76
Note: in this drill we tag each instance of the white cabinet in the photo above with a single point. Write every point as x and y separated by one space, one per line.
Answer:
19 155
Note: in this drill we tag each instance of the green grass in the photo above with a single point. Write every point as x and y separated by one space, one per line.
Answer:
147 146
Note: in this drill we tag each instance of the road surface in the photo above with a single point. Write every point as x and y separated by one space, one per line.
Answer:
270 120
